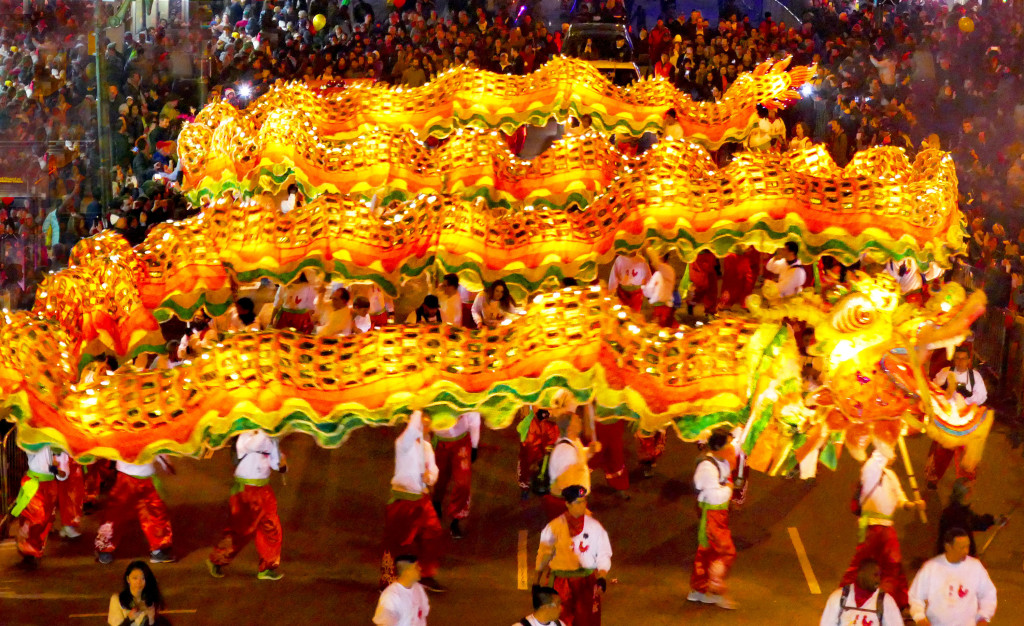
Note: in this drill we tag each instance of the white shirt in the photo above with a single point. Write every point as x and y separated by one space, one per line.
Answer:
628 271
713 480
880 497
662 285
41 461
533 621
296 297
978 394
402 606
116 614
451 309
911 279
486 310
591 549
952 594
258 454
568 454
791 277
141 471
852 615
413 458
467 423
288 204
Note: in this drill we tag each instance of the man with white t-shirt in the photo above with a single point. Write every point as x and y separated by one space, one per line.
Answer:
404 602
953 589
786 264
451 300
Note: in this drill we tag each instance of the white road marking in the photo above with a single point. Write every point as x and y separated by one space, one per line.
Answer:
805 564
523 578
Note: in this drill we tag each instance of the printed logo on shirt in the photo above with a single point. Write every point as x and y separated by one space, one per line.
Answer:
958 592
864 620
580 547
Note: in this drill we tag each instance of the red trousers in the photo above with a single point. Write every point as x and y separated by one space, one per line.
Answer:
711 565
938 462
664 315
553 506
134 497
880 543
632 299
96 475
379 320
612 457
37 519
409 524
581 600
455 468
301 322
516 140
542 435
253 513
71 496
650 447
467 315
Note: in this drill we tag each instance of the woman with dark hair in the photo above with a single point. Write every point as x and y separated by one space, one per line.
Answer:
139 600
493 305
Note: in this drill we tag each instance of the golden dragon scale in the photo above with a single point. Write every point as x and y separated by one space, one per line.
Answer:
578 340
464 97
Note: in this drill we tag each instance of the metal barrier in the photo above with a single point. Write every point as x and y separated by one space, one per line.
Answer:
13 465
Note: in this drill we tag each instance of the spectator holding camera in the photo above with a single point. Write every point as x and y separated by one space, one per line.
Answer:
966 382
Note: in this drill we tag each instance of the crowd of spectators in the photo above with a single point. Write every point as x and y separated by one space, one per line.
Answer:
904 78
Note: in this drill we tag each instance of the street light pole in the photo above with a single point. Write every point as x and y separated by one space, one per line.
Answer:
102 118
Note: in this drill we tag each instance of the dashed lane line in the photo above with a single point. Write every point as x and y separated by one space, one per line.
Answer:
805 564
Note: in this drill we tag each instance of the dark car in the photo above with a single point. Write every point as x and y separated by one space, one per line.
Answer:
607 47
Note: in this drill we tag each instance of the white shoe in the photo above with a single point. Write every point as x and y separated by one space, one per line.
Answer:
696 596
69 532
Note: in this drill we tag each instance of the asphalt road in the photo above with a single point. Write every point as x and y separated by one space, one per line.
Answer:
332 509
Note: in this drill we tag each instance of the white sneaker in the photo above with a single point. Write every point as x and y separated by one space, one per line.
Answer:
69 532
696 596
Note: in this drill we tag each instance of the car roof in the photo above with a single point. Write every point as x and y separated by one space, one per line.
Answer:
583 29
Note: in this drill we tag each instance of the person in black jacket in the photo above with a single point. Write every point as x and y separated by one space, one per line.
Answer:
958 514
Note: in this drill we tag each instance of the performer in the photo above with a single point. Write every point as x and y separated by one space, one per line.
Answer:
381 306
136 492
953 589
880 495
650 447
71 501
567 464
410 517
786 264
294 305
739 275
660 289
612 456
908 275
451 300
539 438
968 383
715 552
575 554
704 281
628 276
253 507
455 454
37 501
862 603
403 602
